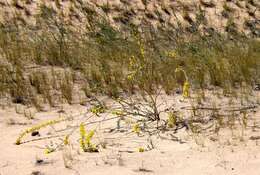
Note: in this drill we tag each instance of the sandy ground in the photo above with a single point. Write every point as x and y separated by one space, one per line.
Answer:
196 155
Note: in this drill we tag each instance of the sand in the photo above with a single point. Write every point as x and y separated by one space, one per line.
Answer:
180 153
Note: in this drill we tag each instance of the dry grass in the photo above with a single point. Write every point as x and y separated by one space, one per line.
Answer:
44 64
101 57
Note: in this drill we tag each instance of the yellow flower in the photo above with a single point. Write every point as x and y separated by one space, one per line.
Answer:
130 76
36 128
171 120
82 132
118 112
132 62
186 89
136 128
89 136
186 85
97 109
48 151
141 149
172 54
85 140
66 140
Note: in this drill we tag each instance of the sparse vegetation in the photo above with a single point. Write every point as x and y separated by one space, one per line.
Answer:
138 69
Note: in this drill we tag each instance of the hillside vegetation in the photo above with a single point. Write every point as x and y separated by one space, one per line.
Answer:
146 68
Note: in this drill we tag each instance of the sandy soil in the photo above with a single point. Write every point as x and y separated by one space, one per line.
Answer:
189 154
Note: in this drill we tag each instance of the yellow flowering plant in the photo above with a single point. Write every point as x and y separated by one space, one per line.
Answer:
118 112
82 132
66 140
137 128
171 54
186 89
172 120
88 137
36 128
186 85
134 67
48 150
141 149
85 140
97 109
